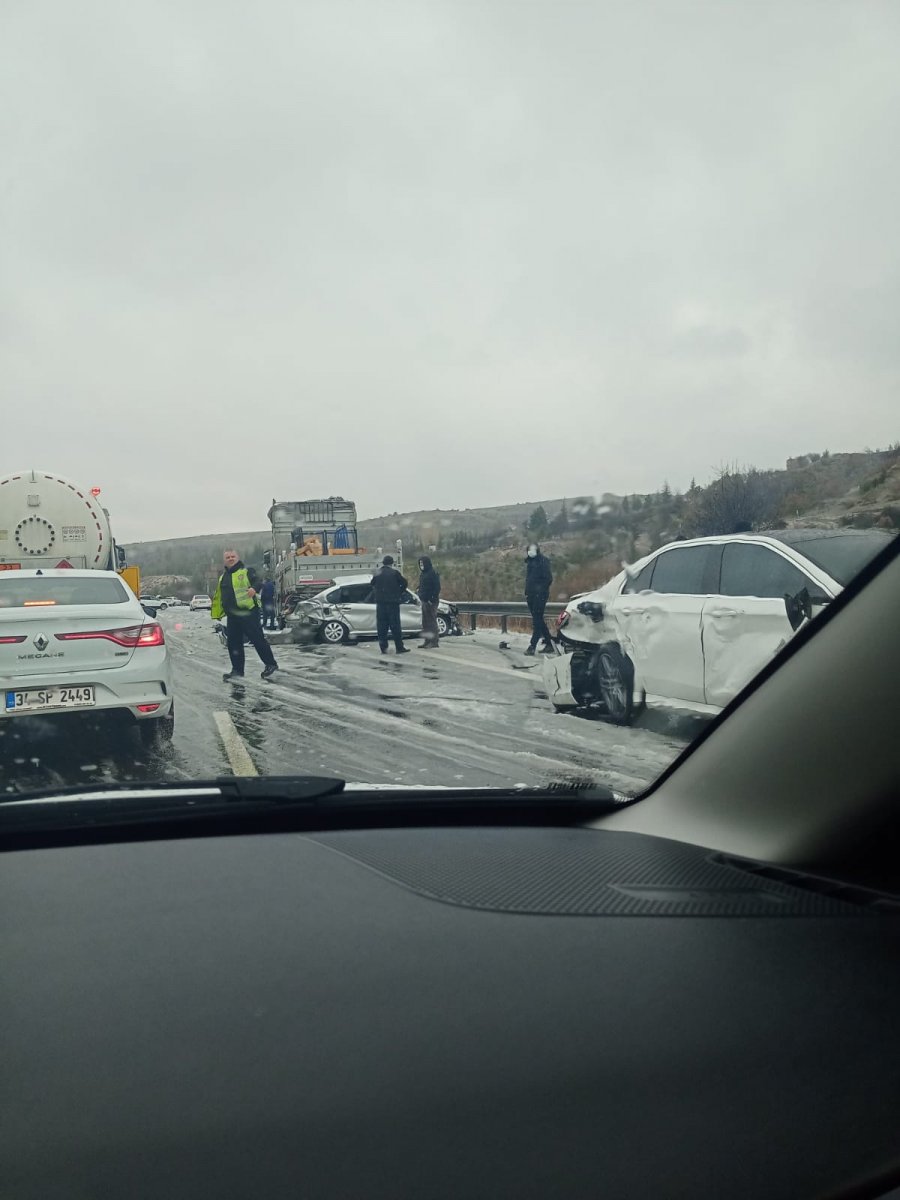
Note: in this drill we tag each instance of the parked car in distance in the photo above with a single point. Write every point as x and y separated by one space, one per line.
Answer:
345 612
200 602
78 642
693 622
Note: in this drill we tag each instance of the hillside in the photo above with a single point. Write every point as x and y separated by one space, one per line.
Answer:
190 557
588 538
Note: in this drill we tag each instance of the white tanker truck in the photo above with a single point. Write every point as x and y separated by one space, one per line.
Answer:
49 521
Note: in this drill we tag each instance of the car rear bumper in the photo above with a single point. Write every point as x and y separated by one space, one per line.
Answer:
125 694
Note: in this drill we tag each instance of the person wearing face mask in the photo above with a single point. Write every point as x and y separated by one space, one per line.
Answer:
429 591
538 578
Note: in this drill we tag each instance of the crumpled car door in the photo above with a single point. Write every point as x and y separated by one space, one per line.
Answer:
661 634
410 613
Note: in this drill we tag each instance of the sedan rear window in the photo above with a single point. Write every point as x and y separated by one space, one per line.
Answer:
49 592
681 571
758 571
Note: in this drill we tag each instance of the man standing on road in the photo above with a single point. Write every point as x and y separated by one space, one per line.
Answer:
538 578
237 600
389 586
429 591
267 595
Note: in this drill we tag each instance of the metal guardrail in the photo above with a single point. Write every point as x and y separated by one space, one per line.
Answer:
504 609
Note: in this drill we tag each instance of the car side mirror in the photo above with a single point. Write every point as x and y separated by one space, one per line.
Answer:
798 608
151 612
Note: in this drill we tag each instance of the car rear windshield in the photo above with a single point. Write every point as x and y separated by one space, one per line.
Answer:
46 592
843 555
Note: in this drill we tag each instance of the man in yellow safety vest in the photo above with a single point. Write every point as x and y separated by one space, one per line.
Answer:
237 600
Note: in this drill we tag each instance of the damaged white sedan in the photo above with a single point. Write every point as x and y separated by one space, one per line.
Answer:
692 623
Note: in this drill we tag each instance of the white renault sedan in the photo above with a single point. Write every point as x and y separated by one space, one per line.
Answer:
75 641
694 622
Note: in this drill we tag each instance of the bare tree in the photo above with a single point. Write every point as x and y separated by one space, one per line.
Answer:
736 501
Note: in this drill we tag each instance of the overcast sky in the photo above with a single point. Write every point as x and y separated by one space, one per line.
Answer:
444 252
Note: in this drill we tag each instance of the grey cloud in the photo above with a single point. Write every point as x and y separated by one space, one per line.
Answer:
355 248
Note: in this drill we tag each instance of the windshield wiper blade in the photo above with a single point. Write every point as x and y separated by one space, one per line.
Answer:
298 802
288 789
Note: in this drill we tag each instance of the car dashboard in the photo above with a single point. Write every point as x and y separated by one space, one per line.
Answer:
443 1012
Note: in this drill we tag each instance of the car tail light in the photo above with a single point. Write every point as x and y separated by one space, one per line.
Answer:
134 635
562 620
147 708
12 641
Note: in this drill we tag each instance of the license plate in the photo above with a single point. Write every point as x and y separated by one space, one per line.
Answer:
33 699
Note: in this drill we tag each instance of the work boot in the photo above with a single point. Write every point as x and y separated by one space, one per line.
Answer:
402 650
530 651
232 675
548 648
269 671
383 649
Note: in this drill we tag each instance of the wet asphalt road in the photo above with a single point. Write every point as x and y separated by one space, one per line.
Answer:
468 714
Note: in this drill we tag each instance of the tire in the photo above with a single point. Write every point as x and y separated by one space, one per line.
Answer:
335 632
615 682
157 732
443 625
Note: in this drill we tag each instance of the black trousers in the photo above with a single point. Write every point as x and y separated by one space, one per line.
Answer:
539 631
249 627
387 620
430 632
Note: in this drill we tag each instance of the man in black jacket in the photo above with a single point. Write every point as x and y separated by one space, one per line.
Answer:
429 591
388 585
538 578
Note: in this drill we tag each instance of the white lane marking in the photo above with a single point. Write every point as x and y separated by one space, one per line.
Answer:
443 656
237 752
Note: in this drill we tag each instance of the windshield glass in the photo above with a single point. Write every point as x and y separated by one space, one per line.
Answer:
32 591
842 554
476 395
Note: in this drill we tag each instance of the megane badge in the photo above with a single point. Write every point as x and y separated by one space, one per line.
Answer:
41 642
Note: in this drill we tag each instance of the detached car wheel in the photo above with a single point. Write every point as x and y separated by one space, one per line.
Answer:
159 730
335 632
615 682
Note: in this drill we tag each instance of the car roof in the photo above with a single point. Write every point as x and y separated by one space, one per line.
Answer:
342 579
790 537
60 573
796 537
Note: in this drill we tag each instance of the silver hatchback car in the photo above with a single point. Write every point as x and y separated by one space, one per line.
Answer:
345 612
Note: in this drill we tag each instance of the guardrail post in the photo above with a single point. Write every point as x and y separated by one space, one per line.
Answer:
503 621
473 621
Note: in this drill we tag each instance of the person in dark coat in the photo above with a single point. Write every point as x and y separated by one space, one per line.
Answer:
388 585
429 592
538 578
267 596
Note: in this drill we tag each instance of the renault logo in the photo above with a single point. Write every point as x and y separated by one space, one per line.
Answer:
41 642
